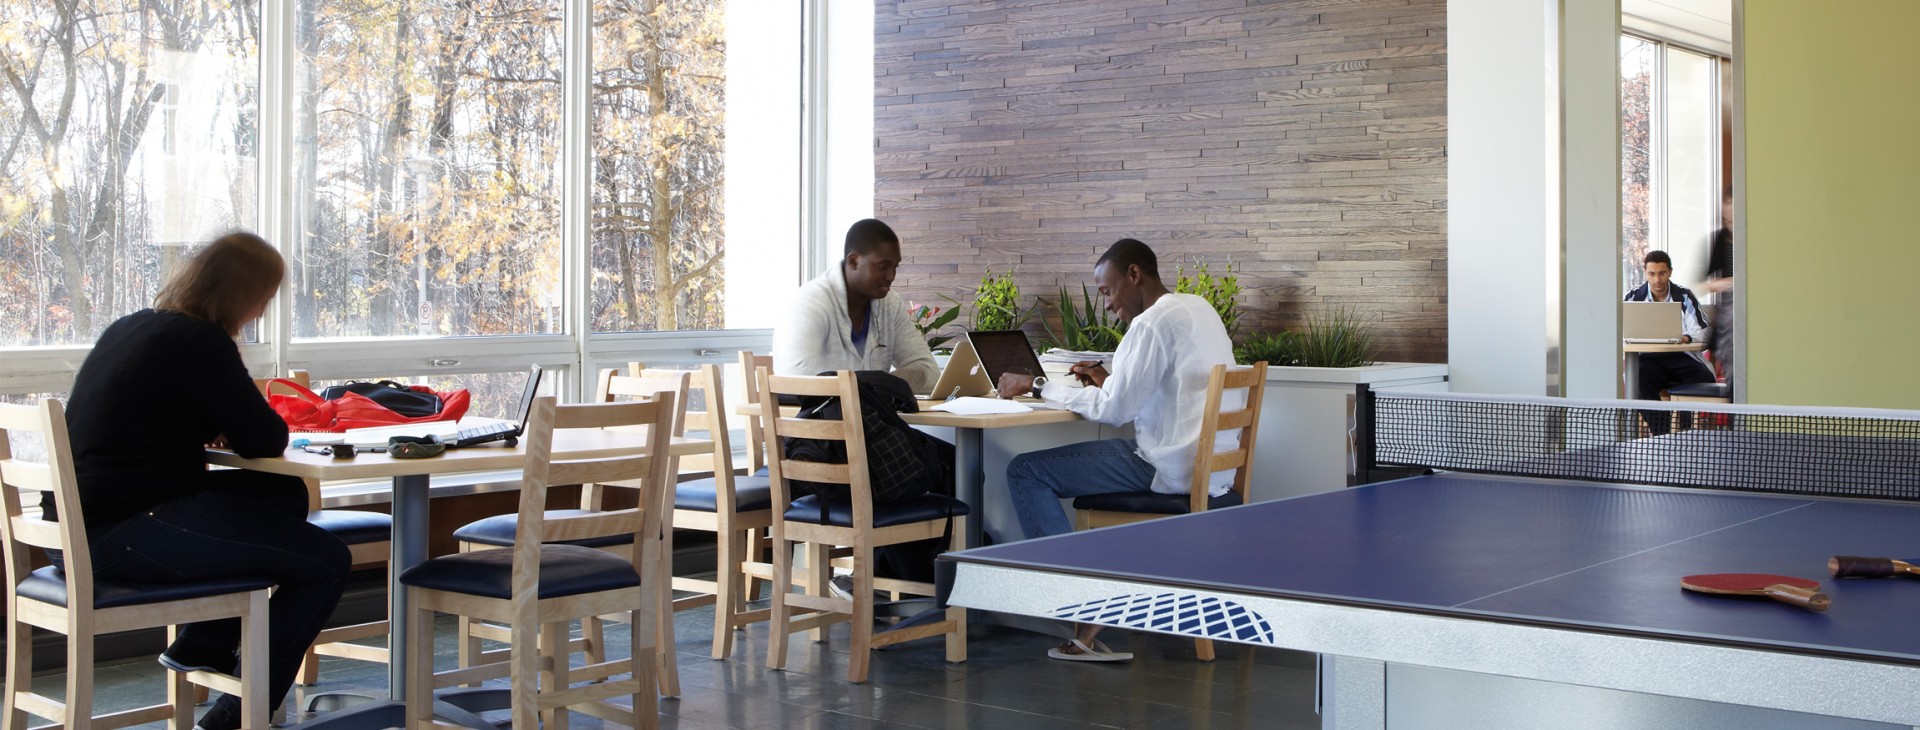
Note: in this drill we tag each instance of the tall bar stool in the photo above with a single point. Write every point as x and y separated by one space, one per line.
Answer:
73 603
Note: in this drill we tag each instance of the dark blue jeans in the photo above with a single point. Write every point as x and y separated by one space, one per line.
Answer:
242 523
1040 479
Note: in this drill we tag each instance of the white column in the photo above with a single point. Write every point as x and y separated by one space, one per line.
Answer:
1590 161
1503 195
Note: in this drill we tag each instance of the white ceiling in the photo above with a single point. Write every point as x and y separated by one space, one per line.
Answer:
1704 23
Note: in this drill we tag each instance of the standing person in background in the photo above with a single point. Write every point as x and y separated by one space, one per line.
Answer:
1719 283
160 386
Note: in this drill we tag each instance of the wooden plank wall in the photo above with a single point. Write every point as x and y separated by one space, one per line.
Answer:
1303 140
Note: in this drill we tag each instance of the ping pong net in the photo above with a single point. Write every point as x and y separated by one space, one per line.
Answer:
1844 452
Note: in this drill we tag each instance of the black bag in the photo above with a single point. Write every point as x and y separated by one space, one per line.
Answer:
901 463
396 397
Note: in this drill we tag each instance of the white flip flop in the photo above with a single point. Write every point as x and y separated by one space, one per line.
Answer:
1096 653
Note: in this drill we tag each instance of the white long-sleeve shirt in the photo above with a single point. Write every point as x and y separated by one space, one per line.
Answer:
817 335
1158 382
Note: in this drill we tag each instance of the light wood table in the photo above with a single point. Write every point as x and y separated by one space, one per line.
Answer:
411 505
1631 381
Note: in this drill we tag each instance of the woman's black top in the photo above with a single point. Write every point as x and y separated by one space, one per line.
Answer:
156 389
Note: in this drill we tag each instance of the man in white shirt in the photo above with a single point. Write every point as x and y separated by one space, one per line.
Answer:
849 319
1158 384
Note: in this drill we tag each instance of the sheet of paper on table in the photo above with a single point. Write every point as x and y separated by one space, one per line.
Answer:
974 406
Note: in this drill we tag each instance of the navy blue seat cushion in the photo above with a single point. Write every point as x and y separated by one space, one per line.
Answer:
49 585
565 570
354 527
1701 390
1153 503
498 530
840 514
749 494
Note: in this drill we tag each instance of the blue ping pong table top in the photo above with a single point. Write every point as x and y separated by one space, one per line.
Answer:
1547 552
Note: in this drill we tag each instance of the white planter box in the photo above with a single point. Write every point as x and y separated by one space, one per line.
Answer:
1306 423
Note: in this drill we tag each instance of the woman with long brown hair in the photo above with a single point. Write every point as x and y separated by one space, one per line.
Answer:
159 386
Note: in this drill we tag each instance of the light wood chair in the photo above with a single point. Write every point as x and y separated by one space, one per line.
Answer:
756 443
736 508
71 602
858 524
540 585
1103 510
369 536
502 530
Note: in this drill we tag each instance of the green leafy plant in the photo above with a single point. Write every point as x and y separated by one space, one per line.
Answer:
1276 348
929 319
1086 326
1341 338
1223 291
996 304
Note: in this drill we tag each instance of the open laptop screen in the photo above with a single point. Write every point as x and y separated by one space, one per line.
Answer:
1005 351
526 398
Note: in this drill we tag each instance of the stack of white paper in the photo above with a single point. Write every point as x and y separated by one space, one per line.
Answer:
972 406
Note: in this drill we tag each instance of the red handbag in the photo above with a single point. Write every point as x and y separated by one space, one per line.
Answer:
305 410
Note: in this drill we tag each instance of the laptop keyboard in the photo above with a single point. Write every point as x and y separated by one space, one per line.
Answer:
486 434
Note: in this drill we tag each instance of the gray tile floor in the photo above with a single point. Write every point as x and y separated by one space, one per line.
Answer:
1006 683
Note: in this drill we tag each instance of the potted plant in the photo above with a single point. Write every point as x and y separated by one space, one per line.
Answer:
1306 417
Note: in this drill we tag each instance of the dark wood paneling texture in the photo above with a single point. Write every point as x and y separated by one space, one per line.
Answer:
1303 140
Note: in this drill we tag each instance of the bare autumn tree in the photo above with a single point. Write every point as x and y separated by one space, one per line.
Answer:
82 83
431 192
658 247
1636 162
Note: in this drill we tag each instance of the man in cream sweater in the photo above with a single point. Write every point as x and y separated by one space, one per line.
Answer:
849 319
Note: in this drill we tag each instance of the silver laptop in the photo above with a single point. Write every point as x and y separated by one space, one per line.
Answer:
1650 322
980 358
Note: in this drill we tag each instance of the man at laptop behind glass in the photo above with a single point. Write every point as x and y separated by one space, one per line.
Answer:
1661 370
1158 384
849 319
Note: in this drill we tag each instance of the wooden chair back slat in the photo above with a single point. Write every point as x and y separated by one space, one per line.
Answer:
812 471
597 524
756 442
808 428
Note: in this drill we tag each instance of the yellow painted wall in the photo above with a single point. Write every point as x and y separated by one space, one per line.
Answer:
1832 277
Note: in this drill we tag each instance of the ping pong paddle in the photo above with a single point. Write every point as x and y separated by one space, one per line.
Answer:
1854 566
1783 588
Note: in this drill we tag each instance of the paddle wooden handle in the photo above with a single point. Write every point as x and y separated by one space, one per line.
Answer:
1807 598
1854 566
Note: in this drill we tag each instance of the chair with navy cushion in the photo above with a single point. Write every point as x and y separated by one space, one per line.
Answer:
369 535
735 508
541 584
856 523
72 603
1103 510
501 530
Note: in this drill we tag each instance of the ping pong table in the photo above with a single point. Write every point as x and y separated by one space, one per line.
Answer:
1527 583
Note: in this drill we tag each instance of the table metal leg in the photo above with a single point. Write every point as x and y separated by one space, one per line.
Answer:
969 476
411 506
